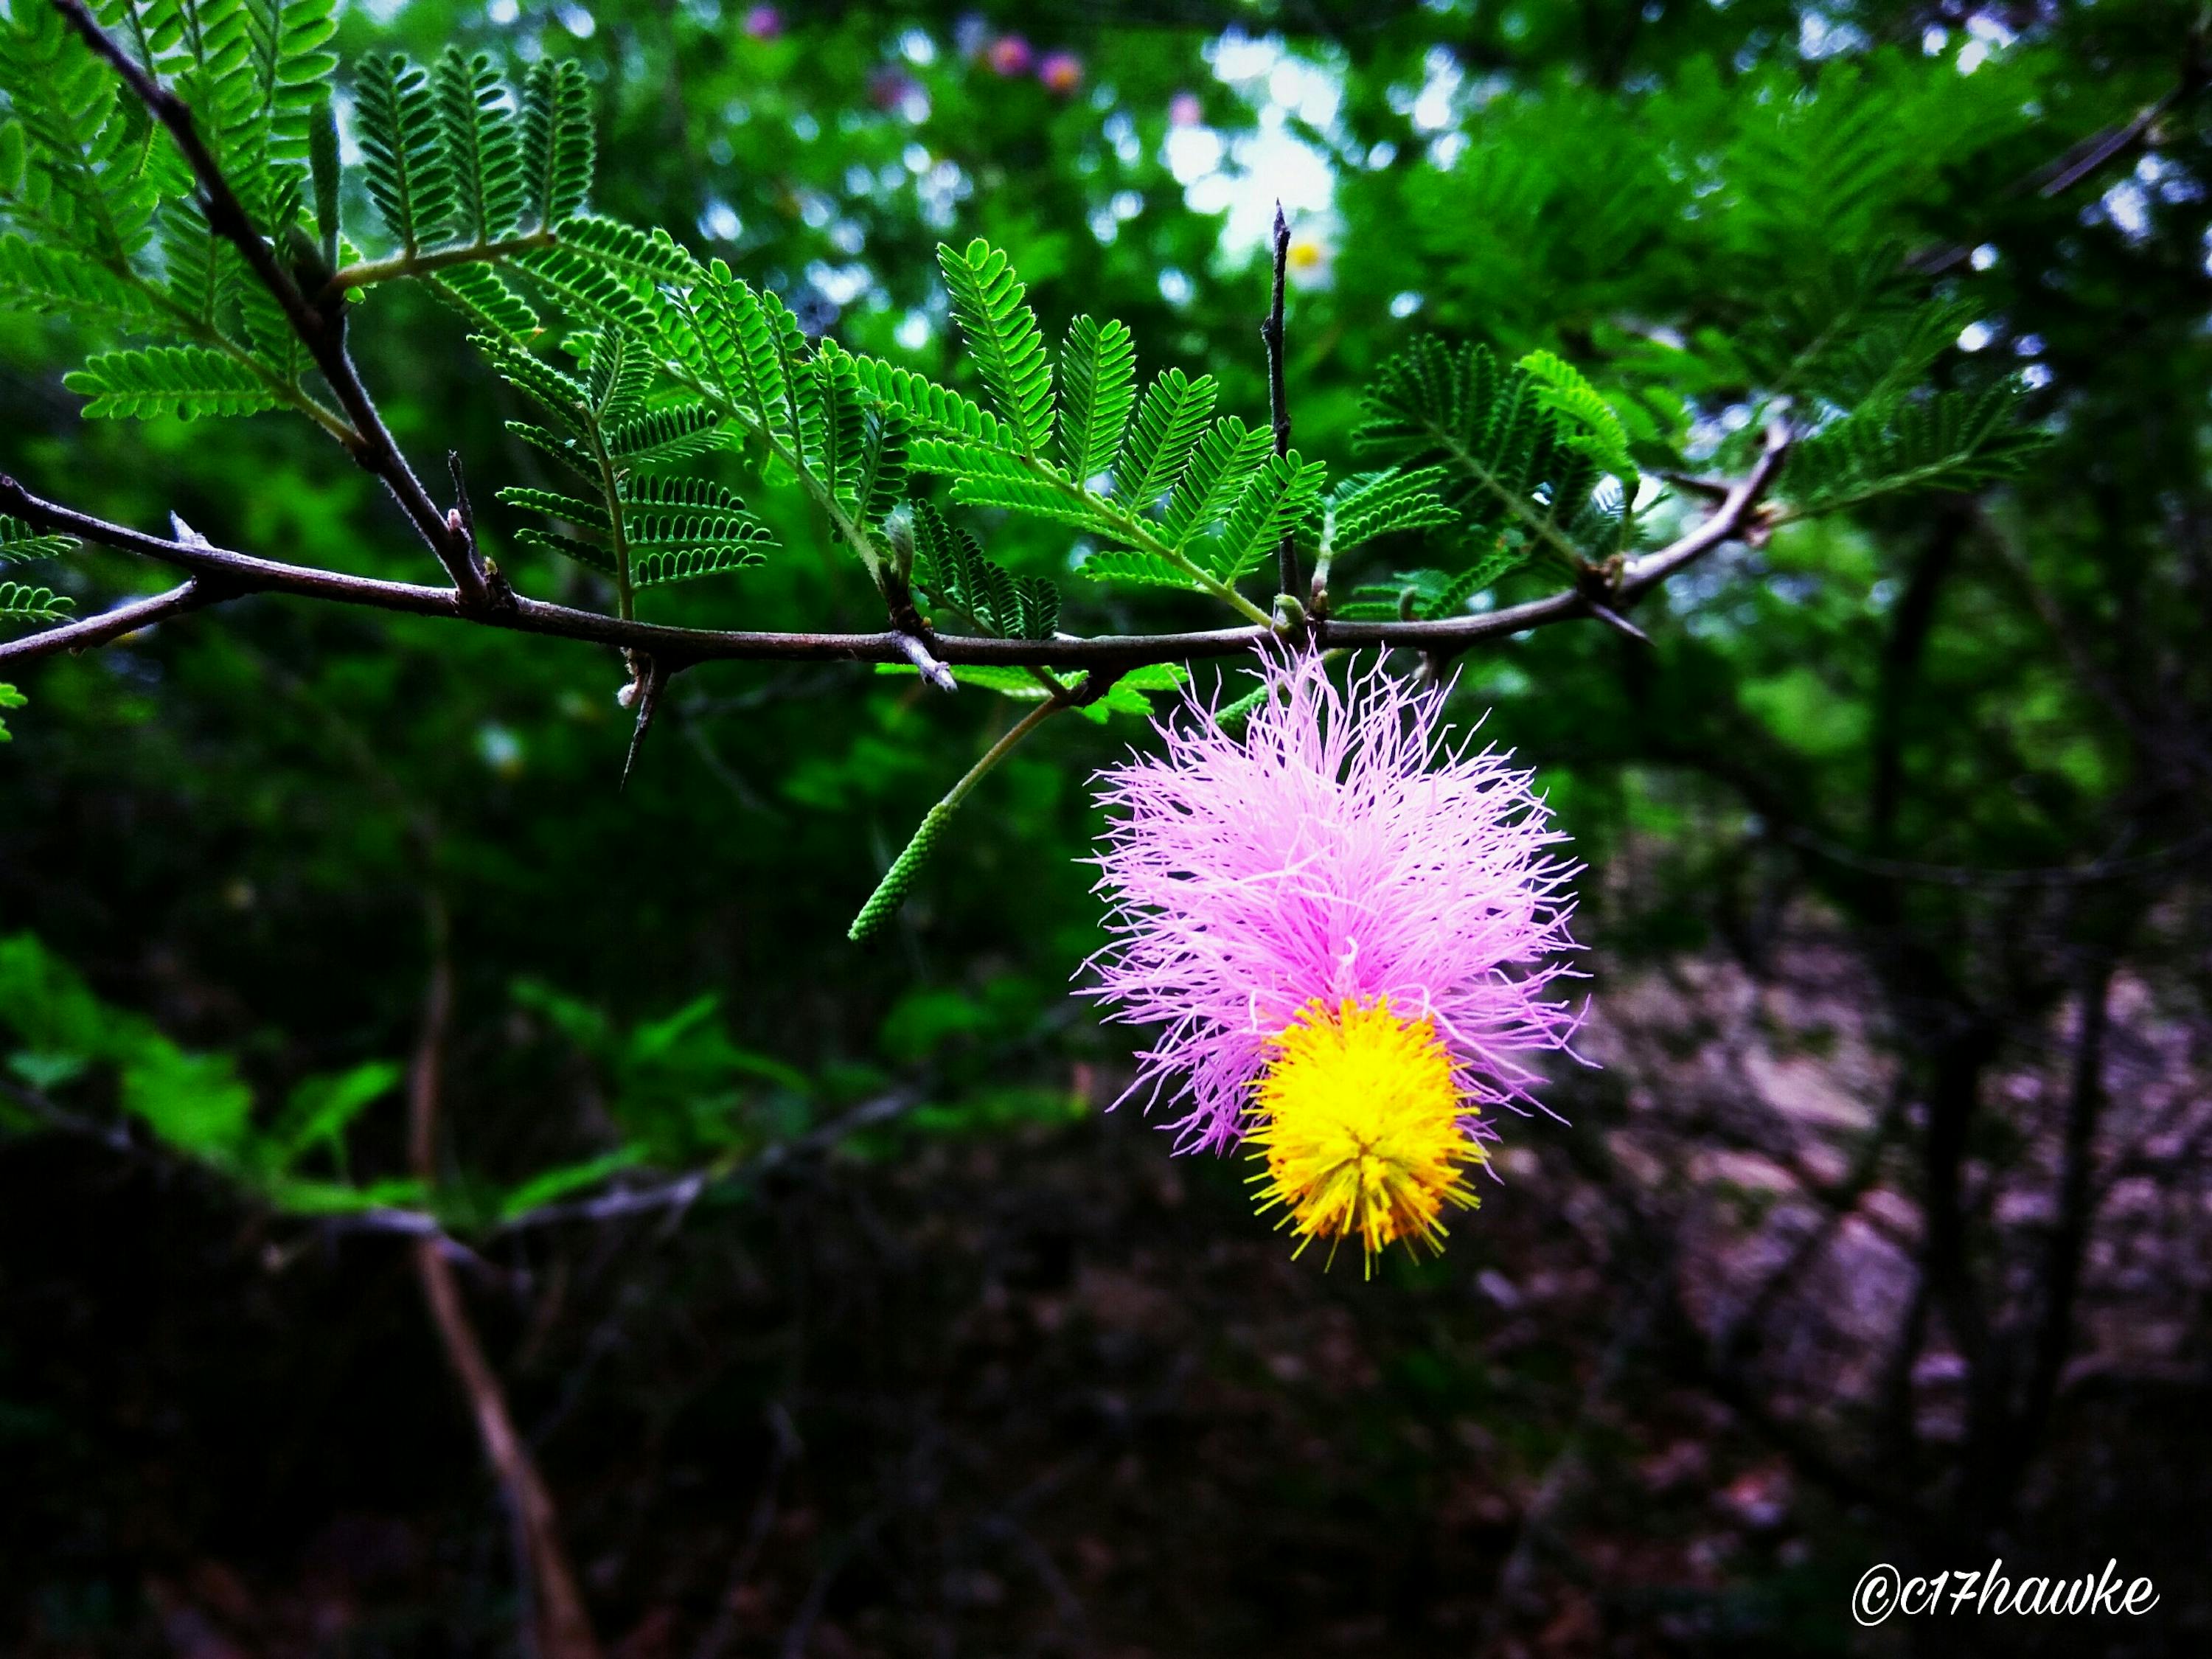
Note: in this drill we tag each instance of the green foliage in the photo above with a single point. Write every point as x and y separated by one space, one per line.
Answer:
1097 381
951 567
10 698
408 170
1371 505
182 380
21 544
68 1039
1169 423
557 143
1511 463
1003 338
477 120
1954 441
19 601
641 531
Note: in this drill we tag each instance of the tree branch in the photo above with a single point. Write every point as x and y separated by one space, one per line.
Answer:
240 574
321 331
113 624
559 1626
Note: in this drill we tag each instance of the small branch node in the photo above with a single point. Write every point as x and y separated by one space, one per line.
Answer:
911 647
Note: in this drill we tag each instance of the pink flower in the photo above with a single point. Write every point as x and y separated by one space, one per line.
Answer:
1060 71
1009 55
1340 914
1185 110
764 22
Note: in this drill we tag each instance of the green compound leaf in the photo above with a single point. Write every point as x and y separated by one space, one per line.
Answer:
1097 382
933 411
1169 423
590 516
668 433
951 569
1595 429
477 116
1370 505
1230 456
21 544
58 283
687 564
992 478
1956 440
557 145
22 602
1148 568
1280 495
1003 338
405 167
590 554
182 380
485 298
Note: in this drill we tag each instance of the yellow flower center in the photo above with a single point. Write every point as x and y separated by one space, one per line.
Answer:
1358 1116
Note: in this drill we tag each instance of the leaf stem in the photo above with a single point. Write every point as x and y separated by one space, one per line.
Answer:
369 272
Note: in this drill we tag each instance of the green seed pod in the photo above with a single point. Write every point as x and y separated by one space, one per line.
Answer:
891 892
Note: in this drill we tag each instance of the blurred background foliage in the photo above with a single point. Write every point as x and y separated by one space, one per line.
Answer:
225 844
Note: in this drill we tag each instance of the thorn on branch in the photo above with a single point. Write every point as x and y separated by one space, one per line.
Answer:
649 678
1620 624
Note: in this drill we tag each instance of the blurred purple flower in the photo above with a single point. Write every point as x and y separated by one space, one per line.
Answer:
1061 72
1009 55
764 22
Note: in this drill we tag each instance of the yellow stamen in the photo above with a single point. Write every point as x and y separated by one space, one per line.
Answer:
1358 1118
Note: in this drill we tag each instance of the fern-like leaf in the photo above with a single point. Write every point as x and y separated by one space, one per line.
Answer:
1097 386
21 544
933 410
834 426
477 120
1957 440
184 380
1594 427
590 554
561 394
567 450
952 569
992 478
1003 338
405 167
1228 455
22 602
883 464
668 434
688 564
1149 570
58 283
1505 458
1281 494
557 145
483 296
618 372
590 516
1375 504
1169 423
